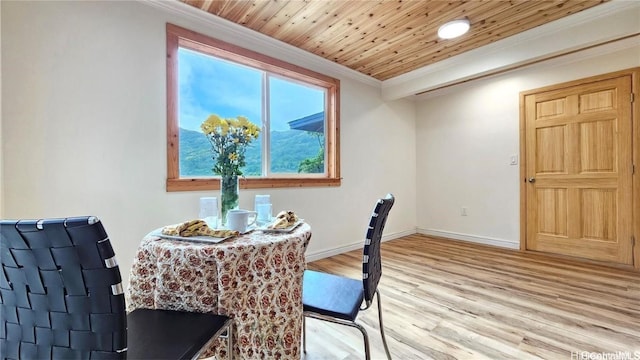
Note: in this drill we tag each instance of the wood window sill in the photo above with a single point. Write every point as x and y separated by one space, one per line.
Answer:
214 183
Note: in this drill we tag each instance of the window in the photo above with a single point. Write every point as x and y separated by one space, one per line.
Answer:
295 109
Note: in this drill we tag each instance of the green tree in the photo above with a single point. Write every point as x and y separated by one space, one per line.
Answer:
314 165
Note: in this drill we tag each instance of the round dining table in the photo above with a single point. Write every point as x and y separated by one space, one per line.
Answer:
255 278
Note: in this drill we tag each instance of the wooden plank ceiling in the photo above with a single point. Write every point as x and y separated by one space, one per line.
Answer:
387 38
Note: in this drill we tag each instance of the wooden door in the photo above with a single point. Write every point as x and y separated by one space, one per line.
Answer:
578 168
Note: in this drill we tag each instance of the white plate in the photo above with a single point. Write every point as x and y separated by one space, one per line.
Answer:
266 228
201 239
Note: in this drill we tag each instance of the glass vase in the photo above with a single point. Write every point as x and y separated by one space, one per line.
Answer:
228 195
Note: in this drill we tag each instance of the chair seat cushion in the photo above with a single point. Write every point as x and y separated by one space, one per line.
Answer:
167 334
332 295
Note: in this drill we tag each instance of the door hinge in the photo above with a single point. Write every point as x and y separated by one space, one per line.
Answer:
633 97
633 241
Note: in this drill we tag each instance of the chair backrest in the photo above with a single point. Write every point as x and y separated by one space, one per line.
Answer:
371 262
61 292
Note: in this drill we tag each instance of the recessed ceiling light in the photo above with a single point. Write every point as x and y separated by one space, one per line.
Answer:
453 29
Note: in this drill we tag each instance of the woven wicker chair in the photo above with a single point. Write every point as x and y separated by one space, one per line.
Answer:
338 299
61 297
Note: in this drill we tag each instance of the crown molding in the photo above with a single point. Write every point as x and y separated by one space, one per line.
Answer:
231 32
532 46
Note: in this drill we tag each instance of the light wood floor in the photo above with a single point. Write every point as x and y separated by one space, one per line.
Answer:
444 299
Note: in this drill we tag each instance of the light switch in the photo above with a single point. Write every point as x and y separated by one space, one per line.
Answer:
513 160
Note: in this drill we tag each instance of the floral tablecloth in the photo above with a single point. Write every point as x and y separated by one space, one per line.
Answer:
255 278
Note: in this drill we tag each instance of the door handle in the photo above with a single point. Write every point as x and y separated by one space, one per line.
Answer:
532 180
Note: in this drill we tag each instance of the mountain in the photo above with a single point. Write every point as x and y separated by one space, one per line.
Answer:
288 149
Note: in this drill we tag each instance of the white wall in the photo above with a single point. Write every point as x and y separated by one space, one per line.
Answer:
84 103
465 137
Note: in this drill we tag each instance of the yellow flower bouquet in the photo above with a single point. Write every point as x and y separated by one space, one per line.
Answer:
229 139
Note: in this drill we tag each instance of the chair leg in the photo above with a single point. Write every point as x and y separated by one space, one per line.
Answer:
304 334
384 339
230 340
367 351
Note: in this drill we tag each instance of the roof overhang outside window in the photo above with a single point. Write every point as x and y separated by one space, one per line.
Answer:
313 123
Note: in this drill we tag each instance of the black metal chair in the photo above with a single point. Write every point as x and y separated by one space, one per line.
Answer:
338 299
61 297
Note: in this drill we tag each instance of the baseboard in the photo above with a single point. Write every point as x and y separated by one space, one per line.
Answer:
471 238
353 246
429 232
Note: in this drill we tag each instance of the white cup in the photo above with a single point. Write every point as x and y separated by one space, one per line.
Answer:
238 219
209 211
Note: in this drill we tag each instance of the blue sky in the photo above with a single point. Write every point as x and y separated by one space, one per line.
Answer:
212 86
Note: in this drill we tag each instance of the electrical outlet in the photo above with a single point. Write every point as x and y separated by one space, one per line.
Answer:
463 211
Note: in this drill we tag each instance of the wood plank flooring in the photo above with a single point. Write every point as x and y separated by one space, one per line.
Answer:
446 299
